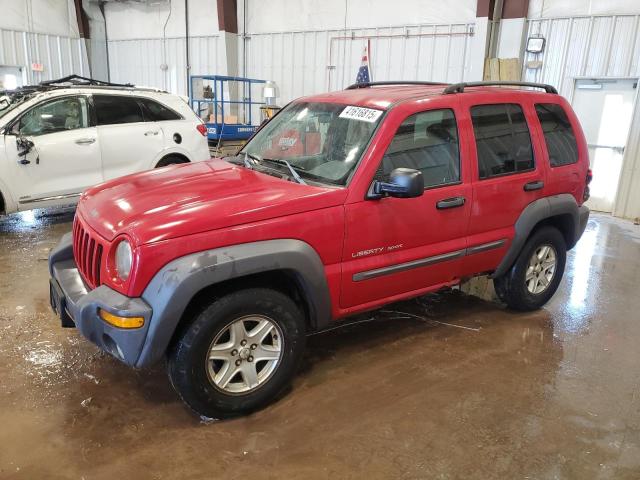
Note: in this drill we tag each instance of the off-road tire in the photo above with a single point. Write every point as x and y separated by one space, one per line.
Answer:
511 287
187 365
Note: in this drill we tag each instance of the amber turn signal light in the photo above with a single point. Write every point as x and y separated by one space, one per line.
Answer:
121 322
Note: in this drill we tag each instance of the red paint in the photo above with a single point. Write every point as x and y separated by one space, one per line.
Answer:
175 211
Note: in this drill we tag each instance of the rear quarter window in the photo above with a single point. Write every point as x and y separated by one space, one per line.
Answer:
156 112
558 134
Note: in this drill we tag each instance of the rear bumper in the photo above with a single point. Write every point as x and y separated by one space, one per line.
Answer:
78 306
583 219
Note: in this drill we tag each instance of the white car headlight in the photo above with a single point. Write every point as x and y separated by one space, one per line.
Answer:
124 259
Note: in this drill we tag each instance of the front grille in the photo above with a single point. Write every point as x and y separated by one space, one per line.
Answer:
87 251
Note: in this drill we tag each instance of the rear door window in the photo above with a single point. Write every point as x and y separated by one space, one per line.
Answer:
156 112
115 109
558 134
502 139
426 141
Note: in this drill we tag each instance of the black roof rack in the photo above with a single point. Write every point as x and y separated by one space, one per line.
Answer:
77 80
459 87
376 84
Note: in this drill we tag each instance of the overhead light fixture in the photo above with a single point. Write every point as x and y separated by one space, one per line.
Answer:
535 44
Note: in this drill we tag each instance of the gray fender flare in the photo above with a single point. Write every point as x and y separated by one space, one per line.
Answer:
537 211
175 285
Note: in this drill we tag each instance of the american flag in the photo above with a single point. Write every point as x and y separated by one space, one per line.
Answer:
364 73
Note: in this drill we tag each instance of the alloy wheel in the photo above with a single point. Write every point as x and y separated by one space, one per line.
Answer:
245 354
541 269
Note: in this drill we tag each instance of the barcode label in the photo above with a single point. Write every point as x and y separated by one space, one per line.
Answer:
360 113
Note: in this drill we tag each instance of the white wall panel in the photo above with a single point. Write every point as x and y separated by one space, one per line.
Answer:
60 55
599 46
296 15
303 63
139 61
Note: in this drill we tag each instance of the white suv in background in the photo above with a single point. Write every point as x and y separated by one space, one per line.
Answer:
60 137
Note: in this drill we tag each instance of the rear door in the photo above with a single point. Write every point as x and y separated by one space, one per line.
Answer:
128 144
506 176
394 246
65 156
179 126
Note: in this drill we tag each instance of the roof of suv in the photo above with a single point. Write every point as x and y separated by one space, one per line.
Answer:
383 95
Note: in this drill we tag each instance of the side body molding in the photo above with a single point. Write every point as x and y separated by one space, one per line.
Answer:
537 211
173 287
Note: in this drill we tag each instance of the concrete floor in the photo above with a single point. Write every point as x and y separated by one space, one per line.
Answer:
461 388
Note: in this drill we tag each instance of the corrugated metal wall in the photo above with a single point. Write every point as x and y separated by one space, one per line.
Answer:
599 46
139 61
60 55
303 63
594 46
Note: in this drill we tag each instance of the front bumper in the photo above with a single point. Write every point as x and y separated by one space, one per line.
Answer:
76 305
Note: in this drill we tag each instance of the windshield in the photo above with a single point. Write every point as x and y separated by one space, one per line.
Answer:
321 141
10 100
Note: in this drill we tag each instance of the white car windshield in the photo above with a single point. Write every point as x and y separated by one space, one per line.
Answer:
322 141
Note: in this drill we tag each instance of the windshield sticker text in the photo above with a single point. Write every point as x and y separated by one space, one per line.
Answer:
359 113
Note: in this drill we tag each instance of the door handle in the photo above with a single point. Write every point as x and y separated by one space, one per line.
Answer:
452 202
537 185
85 141
151 132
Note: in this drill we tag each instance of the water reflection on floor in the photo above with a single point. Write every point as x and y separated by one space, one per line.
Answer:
446 386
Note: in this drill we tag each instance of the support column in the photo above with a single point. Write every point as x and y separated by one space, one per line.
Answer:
480 41
92 27
228 26
513 29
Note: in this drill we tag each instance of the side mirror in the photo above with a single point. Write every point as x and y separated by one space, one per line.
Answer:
24 145
403 183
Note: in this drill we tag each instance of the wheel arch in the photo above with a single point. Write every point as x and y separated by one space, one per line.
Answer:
559 211
180 288
180 155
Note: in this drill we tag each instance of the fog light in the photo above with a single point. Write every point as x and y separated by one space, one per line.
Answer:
121 322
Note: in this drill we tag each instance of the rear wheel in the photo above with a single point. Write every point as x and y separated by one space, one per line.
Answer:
536 273
238 353
171 160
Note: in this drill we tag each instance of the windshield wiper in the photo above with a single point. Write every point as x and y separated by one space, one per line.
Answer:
248 157
294 174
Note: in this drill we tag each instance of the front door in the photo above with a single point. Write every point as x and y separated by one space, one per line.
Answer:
605 109
64 158
394 246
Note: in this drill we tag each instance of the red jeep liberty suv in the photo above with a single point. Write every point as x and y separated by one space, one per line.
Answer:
343 202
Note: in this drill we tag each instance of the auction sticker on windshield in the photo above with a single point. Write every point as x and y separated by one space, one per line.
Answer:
360 113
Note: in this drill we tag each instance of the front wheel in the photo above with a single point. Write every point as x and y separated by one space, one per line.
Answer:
536 273
238 353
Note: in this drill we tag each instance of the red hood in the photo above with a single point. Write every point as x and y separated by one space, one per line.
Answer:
186 199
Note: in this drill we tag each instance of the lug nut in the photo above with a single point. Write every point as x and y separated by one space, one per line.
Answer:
238 362
234 352
254 346
275 337
250 358
243 343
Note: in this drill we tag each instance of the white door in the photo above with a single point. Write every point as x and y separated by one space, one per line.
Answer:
63 159
128 144
605 109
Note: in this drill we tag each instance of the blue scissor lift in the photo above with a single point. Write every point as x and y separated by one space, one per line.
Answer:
227 106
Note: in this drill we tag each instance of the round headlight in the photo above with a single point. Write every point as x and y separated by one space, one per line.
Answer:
124 259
